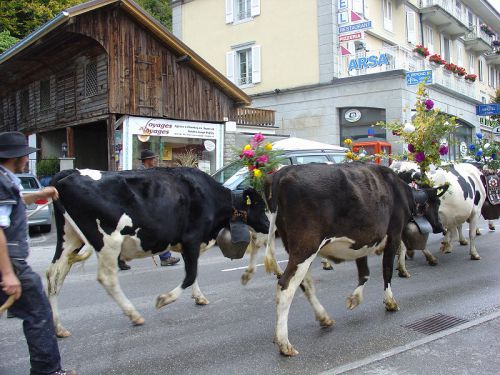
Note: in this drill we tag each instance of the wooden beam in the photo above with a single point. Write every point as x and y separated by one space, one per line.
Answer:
111 142
70 141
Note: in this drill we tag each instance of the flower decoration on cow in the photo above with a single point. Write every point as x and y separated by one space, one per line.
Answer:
426 134
485 151
260 159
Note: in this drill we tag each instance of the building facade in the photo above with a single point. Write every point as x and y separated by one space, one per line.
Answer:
333 68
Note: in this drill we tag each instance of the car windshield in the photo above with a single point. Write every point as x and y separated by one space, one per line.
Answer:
29 182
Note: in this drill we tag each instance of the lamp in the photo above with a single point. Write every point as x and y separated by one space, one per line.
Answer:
64 149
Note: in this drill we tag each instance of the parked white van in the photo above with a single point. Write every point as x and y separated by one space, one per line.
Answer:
295 151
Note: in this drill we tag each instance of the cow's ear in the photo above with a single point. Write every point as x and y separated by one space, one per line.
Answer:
440 190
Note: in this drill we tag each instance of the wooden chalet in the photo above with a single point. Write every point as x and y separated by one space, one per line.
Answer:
79 77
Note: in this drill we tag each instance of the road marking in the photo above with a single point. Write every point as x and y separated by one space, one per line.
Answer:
244 267
412 345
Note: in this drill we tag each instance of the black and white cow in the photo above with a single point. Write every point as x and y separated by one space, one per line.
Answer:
139 213
462 203
340 212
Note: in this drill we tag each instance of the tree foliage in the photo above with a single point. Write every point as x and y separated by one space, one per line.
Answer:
21 17
6 40
496 99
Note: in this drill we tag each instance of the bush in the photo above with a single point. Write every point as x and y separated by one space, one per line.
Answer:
47 167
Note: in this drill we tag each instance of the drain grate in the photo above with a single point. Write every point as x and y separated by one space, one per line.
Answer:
435 323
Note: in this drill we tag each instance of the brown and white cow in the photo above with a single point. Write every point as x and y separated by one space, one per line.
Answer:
134 214
341 212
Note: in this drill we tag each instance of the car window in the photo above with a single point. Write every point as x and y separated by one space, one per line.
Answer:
29 183
337 158
306 159
226 172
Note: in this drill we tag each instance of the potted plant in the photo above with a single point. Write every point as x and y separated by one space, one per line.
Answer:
450 68
460 71
488 30
420 51
436 60
470 78
46 169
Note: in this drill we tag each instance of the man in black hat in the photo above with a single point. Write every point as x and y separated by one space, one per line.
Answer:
16 276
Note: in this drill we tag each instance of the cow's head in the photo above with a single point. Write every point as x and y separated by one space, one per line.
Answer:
427 205
256 211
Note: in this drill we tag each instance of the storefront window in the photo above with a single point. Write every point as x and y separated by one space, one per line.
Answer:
357 123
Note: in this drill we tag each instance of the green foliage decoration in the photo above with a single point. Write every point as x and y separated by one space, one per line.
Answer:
47 167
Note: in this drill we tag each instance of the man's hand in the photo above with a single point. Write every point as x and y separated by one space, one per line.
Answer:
10 285
49 192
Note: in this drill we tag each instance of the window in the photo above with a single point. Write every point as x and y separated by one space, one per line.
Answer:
411 27
471 64
44 95
239 10
360 7
387 11
491 77
25 104
90 79
445 50
460 53
243 65
429 38
470 18
480 70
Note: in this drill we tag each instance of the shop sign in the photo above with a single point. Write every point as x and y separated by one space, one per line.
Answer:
355 27
487 122
350 37
368 62
352 115
172 128
488 109
209 146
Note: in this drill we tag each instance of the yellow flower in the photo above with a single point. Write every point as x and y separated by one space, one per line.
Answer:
356 157
268 147
247 147
257 173
349 154
348 141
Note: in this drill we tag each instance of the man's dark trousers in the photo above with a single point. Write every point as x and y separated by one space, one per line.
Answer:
34 309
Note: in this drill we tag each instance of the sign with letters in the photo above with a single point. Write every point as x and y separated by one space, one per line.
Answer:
355 27
416 78
488 109
351 37
368 62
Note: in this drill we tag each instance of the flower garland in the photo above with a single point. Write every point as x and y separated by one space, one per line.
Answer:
487 152
425 133
437 59
260 159
421 50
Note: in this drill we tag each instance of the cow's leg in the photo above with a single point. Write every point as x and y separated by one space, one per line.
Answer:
461 239
190 254
107 273
326 264
446 242
491 226
252 263
363 275
57 271
431 259
472 236
287 285
322 317
388 264
270 262
198 296
402 271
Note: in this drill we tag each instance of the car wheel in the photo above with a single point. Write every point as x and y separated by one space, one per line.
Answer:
45 228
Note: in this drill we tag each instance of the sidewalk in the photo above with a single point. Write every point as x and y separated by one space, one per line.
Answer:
470 348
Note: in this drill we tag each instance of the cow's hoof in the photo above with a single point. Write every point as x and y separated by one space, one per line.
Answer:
464 242
352 301
278 275
62 332
432 262
287 350
475 257
327 266
326 321
491 227
201 301
164 299
445 248
246 277
391 305
404 274
138 321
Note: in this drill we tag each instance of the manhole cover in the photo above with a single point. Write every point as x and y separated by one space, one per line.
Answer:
435 323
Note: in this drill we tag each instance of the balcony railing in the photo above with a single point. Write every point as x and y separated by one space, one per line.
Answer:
447 5
399 58
255 117
471 38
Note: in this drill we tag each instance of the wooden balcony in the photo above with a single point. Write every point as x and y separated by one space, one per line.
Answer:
255 117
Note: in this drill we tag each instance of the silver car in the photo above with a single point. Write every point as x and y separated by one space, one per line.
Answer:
43 217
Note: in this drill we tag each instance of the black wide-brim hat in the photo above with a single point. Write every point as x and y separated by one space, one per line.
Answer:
14 145
147 154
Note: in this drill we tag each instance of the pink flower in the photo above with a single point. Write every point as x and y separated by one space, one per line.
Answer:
411 148
257 138
419 157
248 153
251 167
429 104
263 159
443 150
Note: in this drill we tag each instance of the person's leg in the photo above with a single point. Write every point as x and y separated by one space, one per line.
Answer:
167 259
34 309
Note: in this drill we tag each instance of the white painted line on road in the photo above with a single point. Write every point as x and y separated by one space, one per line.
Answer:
244 267
412 345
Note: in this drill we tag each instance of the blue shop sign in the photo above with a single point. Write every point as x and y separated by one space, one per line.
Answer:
368 62
488 109
421 76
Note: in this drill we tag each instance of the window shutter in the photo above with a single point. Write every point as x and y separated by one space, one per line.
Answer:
411 27
366 9
357 6
229 11
256 64
255 11
230 65
460 54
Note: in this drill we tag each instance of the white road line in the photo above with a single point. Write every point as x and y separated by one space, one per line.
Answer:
244 267
412 345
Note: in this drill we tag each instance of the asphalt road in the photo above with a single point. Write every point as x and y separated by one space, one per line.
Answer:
233 334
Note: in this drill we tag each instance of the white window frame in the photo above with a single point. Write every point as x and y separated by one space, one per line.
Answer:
471 64
491 76
232 10
480 69
460 53
387 12
411 26
360 7
443 48
429 38
253 69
